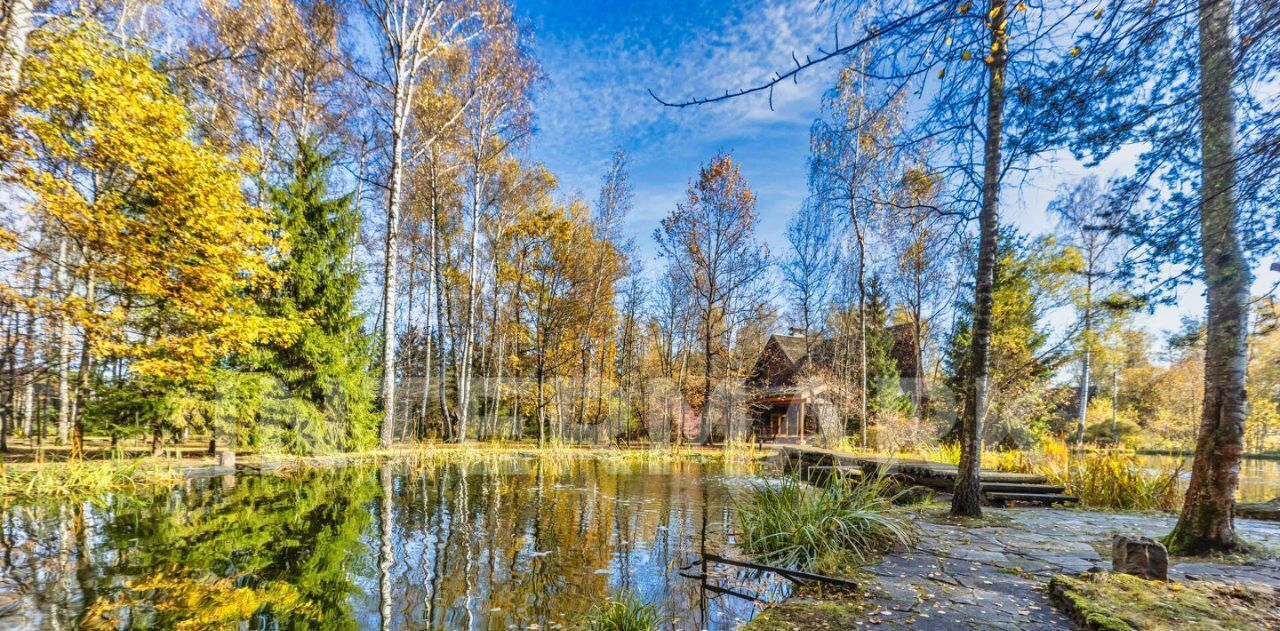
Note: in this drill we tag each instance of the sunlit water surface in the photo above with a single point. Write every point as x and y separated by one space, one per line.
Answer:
518 543
1259 479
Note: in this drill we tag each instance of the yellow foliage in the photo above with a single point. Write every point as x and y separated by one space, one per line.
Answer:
106 148
201 604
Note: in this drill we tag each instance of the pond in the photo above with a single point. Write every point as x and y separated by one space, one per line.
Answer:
1259 479
515 543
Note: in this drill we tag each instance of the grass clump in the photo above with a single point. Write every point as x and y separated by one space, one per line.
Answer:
624 613
795 525
81 479
1119 602
1118 481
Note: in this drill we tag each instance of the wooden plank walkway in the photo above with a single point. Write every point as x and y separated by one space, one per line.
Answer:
999 487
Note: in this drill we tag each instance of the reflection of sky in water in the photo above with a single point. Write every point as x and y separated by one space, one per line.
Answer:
503 545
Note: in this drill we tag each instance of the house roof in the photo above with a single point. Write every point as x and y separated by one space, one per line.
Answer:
793 346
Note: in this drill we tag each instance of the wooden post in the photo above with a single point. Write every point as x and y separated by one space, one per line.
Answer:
801 421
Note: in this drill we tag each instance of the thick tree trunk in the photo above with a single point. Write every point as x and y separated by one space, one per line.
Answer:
13 43
1207 520
968 492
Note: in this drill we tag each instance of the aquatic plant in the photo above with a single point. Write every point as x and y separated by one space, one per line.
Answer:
625 612
793 524
1118 481
946 453
82 479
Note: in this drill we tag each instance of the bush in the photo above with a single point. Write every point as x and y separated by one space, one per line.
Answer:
792 524
1125 434
625 613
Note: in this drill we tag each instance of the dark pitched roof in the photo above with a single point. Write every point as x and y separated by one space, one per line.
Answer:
793 346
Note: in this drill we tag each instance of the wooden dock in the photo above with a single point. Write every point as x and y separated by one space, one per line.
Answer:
998 487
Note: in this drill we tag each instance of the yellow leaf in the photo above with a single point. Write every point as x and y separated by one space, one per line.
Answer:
1075 51
966 55
942 73
964 8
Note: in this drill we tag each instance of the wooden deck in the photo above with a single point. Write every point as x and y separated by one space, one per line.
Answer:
998 487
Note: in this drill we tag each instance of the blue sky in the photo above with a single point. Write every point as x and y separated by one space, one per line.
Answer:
601 58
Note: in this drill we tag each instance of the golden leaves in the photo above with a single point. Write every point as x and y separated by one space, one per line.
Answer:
107 150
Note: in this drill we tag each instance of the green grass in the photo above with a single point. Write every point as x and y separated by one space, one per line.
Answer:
795 525
81 479
624 613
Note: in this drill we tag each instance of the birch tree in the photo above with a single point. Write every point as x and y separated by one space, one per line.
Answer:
411 36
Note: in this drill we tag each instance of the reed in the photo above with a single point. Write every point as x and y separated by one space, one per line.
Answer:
792 524
82 479
1118 481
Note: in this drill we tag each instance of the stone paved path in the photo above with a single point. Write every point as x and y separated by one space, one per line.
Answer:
994 576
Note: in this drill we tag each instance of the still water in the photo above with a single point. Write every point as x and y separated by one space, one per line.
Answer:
1259 479
502 544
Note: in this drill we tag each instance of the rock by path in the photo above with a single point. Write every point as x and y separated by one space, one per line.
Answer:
993 575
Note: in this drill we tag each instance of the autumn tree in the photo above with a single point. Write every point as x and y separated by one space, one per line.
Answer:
810 268
1031 278
709 242
168 252
1181 81
963 55
1085 218
411 38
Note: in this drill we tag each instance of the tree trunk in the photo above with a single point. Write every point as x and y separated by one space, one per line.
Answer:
86 366
13 44
1207 520
967 498
1087 346
389 281
30 368
64 349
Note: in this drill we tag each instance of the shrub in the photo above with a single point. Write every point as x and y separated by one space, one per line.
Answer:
624 613
792 524
1125 434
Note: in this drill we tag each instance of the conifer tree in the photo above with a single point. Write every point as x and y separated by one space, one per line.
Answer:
327 364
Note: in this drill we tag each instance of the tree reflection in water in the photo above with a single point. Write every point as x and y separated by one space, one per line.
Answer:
497 543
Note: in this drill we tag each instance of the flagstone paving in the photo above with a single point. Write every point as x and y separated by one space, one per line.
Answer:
993 576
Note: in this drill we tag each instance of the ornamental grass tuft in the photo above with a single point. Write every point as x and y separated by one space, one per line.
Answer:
792 524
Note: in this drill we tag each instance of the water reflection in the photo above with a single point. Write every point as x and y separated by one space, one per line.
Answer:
1259 479
502 544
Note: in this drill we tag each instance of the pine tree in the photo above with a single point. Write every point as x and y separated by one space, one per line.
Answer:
327 364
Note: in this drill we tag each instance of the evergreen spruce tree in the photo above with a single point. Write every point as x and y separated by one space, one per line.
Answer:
882 368
326 365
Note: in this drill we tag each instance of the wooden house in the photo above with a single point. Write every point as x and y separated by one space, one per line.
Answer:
791 386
